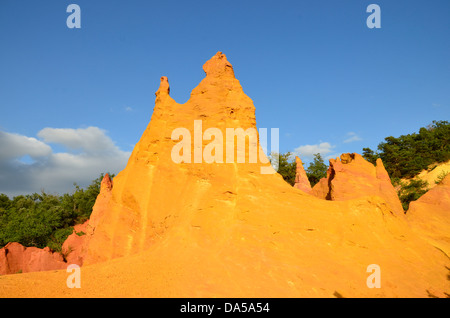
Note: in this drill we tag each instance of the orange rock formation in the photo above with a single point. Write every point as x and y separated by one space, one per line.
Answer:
301 180
15 258
150 194
430 214
352 177
167 229
74 245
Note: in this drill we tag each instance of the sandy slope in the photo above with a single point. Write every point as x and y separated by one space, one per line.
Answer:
278 251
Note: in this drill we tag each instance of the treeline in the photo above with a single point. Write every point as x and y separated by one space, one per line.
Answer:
45 219
407 155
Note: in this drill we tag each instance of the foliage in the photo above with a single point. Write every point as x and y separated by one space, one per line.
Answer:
45 219
407 155
317 170
58 237
411 191
441 177
370 155
286 166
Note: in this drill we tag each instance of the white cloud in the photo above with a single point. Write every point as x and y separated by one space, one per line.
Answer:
128 109
307 152
352 137
56 172
92 139
16 146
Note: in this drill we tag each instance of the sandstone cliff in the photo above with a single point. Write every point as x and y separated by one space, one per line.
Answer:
15 258
74 246
351 176
430 214
150 195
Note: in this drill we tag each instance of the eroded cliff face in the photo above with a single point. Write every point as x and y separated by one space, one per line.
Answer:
430 215
351 176
16 258
190 229
74 246
153 192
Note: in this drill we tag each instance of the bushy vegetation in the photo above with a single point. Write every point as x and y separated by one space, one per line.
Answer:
410 190
317 170
286 166
407 155
441 177
45 219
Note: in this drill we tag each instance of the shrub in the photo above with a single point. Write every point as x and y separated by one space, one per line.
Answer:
411 191
441 177
407 155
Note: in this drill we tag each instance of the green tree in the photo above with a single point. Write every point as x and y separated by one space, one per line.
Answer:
370 155
57 238
45 219
317 170
405 156
411 191
286 166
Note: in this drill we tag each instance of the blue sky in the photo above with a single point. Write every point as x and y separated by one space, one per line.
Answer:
75 101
